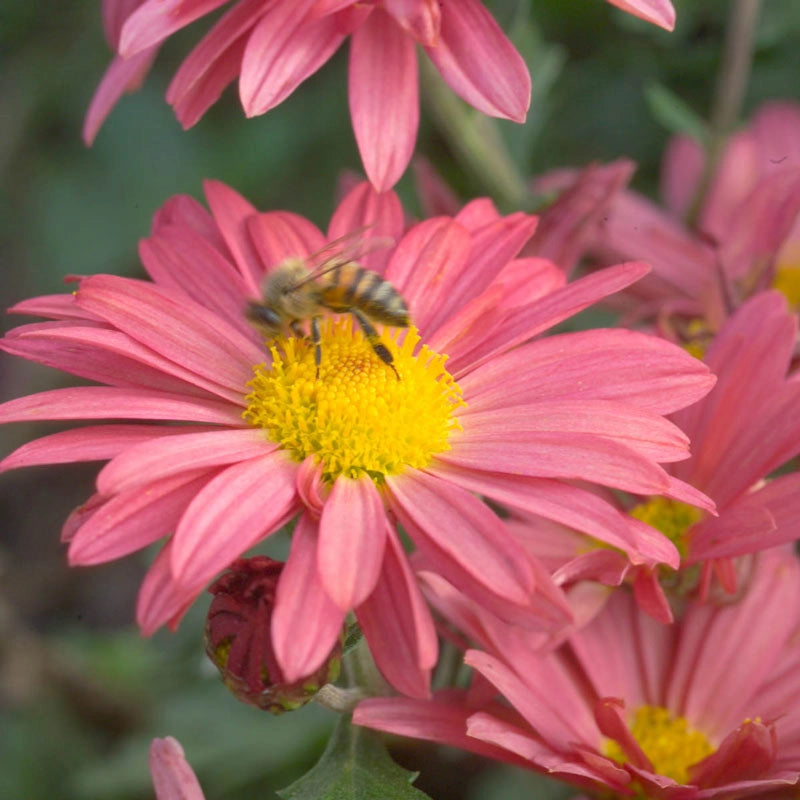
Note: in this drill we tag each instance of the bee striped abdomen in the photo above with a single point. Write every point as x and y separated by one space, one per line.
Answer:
351 286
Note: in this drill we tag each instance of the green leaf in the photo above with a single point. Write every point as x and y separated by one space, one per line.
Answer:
674 114
354 766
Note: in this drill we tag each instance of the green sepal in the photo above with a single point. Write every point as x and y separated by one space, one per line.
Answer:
354 766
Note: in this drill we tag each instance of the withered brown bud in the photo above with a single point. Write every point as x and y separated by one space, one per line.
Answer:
238 639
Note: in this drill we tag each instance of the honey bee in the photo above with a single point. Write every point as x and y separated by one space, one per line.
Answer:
294 292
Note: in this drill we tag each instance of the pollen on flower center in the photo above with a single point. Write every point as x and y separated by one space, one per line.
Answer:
671 517
787 275
356 417
670 742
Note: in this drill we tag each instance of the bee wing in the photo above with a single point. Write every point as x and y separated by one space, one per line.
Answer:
349 247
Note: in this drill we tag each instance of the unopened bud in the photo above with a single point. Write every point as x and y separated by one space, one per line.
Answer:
238 639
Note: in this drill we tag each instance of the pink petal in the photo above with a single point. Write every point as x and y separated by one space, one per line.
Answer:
207 88
122 75
494 244
746 525
609 712
650 596
384 102
352 535
242 505
646 432
135 519
681 171
527 321
398 625
91 443
214 62
659 12
173 326
482 558
161 458
547 699
284 49
635 228
479 63
761 223
278 235
161 600
714 678
53 306
745 754
99 402
574 456
231 212
155 20
115 12
186 212
422 20
382 216
313 490
443 719
735 175
173 778
178 257
569 505
647 372
568 226
426 263
305 622
106 356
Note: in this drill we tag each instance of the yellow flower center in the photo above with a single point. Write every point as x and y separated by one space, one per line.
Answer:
671 743
671 517
787 275
355 417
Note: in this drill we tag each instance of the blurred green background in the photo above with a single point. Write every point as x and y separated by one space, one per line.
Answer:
81 694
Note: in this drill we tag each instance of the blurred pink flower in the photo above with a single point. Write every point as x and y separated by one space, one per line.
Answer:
274 46
741 432
173 778
352 450
721 237
705 708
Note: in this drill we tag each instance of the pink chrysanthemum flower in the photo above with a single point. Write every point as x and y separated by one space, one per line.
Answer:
173 778
705 708
274 46
721 237
353 448
741 432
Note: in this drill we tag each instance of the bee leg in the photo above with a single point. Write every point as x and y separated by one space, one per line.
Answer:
374 340
315 337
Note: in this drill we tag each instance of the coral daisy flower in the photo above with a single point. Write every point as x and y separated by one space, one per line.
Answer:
741 432
274 46
719 238
346 442
704 708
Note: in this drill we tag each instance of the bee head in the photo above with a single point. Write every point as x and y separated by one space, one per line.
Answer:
262 316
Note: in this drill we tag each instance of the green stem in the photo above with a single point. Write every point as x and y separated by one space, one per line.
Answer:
737 58
731 85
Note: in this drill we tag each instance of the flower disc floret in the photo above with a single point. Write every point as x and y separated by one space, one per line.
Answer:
670 742
671 517
356 417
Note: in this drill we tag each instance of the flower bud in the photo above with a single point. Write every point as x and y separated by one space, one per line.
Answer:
239 642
